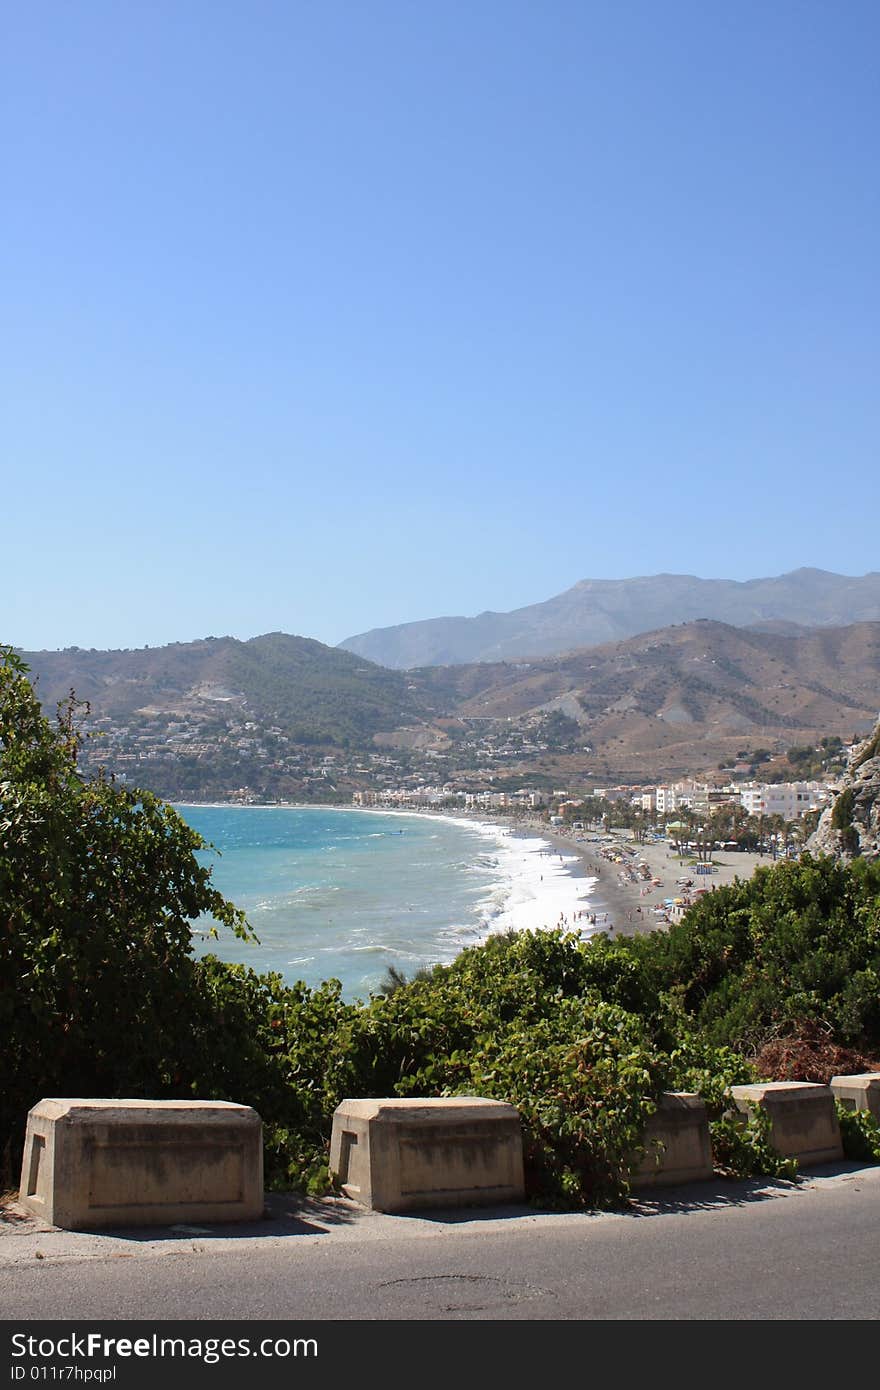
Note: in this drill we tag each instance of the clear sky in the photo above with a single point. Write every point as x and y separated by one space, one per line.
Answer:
323 317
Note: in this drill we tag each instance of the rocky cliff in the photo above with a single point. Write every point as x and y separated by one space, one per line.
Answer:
852 825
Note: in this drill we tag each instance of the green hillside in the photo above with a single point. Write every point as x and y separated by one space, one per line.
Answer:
312 693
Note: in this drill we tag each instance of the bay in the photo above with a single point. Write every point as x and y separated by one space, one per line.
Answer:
344 894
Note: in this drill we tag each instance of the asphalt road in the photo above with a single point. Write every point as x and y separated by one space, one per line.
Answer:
747 1250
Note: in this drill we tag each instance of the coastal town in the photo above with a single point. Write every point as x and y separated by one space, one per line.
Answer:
788 800
495 766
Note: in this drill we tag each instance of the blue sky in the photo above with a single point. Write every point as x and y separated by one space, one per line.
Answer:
327 317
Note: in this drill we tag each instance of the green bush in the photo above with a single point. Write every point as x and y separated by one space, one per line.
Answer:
517 1019
99 885
795 942
742 1148
860 1133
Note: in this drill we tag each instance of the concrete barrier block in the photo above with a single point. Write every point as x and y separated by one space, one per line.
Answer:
676 1143
94 1163
398 1155
802 1117
859 1092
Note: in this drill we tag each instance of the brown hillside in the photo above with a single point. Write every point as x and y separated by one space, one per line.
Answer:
686 696
675 701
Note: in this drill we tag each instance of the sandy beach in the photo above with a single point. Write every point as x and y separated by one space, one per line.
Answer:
624 901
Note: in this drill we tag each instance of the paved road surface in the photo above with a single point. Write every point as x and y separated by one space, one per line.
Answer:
747 1250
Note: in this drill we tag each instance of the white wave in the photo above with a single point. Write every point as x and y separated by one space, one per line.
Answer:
535 889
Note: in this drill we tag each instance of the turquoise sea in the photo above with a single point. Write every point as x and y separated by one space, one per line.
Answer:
344 894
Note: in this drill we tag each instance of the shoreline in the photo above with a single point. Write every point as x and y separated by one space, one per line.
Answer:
621 904
607 899
630 901
546 883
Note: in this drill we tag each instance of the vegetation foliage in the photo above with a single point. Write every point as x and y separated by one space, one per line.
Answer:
99 994
860 1133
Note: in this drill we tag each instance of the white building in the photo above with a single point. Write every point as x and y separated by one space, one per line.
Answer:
692 794
791 800
666 800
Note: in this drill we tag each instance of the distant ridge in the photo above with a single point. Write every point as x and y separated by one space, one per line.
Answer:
286 716
595 611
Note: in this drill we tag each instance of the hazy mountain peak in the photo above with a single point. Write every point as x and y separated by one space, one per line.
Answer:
594 611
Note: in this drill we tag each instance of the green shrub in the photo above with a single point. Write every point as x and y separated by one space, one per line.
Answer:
793 943
860 1133
99 886
742 1148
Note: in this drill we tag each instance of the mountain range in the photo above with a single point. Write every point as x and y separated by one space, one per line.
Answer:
675 700
597 611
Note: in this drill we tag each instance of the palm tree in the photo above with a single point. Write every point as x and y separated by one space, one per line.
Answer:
777 827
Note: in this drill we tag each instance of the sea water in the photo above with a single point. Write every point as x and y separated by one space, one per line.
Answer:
345 894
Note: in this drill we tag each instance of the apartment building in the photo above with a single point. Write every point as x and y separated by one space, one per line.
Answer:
790 800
